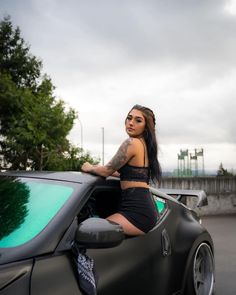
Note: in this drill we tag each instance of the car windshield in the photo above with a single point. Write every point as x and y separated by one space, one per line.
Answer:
27 206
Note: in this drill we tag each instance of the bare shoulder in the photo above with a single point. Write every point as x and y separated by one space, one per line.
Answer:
134 146
129 143
138 152
123 155
136 142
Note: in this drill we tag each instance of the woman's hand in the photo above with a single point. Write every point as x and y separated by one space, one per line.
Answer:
87 167
116 174
103 171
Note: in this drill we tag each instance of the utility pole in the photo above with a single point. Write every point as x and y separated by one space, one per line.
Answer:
81 133
102 145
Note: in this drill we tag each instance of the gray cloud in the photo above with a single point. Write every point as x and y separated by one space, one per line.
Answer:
177 57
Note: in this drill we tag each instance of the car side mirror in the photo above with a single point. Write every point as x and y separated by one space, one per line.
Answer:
94 233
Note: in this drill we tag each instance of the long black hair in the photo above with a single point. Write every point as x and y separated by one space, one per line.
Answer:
149 136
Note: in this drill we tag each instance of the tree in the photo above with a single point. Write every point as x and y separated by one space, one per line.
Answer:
71 160
15 58
33 124
223 172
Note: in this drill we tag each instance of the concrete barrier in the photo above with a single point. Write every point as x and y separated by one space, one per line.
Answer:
221 192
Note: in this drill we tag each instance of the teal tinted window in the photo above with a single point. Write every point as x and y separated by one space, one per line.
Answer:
160 204
26 207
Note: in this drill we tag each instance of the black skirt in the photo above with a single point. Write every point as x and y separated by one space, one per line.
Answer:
138 207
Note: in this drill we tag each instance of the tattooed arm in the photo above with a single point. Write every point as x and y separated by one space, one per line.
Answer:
123 155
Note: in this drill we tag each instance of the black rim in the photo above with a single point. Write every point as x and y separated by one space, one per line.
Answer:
203 270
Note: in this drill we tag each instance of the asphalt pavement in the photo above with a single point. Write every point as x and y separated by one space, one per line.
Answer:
223 232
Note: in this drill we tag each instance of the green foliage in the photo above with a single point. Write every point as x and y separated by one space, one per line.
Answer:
15 58
34 125
223 172
72 160
14 197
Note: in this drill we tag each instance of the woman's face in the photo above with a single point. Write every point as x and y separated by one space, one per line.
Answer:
135 123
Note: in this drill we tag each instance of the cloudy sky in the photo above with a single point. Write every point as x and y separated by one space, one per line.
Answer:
176 57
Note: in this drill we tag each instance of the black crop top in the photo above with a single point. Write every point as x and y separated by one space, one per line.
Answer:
135 173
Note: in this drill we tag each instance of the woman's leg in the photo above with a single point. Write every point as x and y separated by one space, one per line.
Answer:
128 227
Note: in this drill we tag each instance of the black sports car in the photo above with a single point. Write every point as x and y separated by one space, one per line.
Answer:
43 214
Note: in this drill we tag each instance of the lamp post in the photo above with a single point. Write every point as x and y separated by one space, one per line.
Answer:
81 133
102 145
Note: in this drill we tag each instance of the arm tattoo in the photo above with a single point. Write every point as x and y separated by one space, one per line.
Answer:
93 170
120 157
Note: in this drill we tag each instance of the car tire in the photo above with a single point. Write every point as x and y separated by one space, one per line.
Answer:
201 275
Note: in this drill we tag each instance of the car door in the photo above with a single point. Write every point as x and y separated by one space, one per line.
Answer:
124 269
129 267
55 275
15 278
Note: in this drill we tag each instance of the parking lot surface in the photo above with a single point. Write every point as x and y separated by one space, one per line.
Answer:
223 232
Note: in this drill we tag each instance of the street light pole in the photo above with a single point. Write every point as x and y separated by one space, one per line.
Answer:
102 145
81 133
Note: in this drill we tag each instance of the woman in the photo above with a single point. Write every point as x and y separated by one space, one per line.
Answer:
136 163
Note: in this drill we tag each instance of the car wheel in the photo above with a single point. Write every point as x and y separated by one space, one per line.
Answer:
201 276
